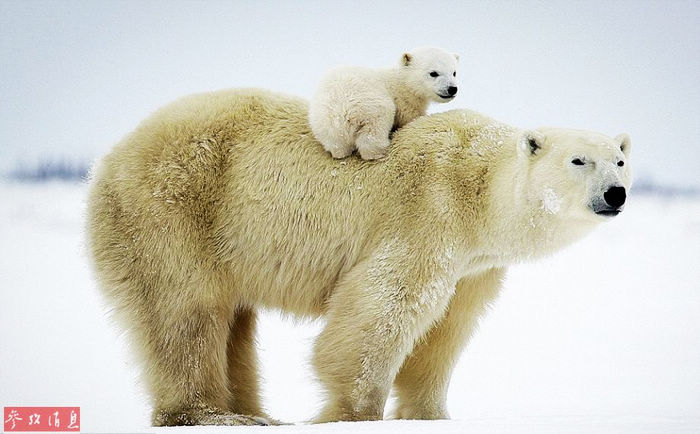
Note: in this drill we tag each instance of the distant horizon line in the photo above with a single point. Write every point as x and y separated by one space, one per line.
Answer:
72 171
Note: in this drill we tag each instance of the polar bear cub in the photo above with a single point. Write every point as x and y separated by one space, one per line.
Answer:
357 108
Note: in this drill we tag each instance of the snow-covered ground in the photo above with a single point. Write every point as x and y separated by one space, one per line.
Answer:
602 337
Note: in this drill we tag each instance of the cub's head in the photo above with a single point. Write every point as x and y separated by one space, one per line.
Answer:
578 174
432 73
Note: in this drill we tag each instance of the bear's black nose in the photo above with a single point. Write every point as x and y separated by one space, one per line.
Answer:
615 196
452 90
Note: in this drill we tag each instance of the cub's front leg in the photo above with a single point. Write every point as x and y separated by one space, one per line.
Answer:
376 314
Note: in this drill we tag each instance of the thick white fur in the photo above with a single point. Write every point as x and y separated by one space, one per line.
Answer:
357 108
223 203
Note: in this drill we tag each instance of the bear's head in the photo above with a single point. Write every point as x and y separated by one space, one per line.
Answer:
432 73
579 175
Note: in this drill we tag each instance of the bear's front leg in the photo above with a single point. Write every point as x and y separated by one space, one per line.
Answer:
376 314
422 382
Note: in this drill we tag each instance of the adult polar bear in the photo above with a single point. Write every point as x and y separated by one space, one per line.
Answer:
223 202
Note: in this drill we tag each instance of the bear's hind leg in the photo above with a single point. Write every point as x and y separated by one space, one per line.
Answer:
186 349
243 372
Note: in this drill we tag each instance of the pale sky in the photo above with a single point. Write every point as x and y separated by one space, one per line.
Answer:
76 76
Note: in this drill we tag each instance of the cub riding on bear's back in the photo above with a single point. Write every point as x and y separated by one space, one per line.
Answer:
357 108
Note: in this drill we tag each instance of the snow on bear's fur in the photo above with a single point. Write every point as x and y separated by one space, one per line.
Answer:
223 203
357 108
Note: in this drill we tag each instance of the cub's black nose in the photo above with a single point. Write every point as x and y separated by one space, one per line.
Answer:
452 90
615 196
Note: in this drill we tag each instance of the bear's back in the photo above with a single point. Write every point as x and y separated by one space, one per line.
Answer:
232 176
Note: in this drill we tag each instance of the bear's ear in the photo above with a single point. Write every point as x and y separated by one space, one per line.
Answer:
531 143
625 144
406 59
456 56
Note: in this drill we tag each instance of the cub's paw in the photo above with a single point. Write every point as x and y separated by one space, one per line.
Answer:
372 153
340 153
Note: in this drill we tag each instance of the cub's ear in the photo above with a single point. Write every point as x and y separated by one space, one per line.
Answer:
531 143
625 144
406 59
456 56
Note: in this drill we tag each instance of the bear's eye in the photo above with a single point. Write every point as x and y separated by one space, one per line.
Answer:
434 74
454 74
620 163
577 162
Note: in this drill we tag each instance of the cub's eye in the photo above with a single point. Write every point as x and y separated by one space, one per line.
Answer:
620 163
577 162
454 74
434 74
